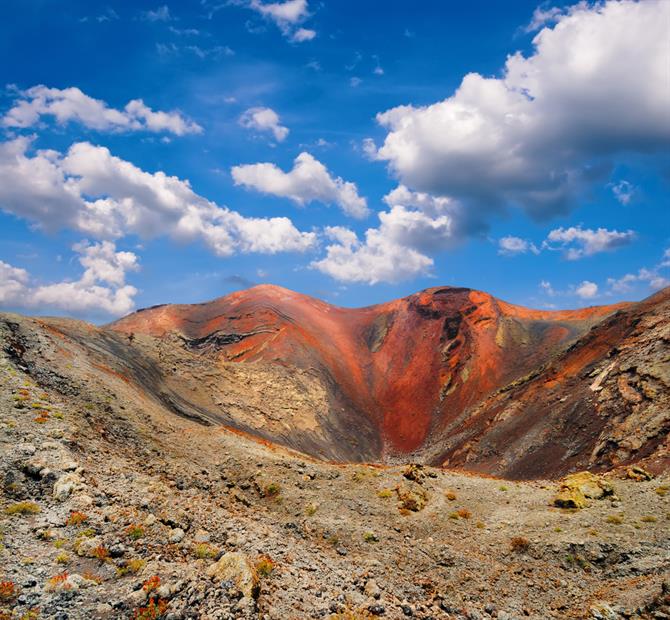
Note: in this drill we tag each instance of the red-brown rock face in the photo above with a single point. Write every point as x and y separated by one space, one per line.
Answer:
407 369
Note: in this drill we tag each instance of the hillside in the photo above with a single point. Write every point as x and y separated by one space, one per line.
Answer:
371 384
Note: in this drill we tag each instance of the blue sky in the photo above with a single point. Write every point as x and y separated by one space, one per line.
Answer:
517 148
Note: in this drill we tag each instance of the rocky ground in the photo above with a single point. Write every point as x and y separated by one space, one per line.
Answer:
112 507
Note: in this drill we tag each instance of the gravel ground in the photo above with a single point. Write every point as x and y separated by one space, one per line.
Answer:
114 507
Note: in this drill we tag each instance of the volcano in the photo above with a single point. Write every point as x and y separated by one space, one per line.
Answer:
420 377
447 376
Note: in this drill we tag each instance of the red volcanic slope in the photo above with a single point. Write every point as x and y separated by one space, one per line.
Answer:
411 366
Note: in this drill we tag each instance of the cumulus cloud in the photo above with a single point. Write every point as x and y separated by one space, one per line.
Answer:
415 224
303 34
101 288
594 87
264 120
72 105
378 259
511 245
587 290
308 180
542 16
287 16
90 190
578 242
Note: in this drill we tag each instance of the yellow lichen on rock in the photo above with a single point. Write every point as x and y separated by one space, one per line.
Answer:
236 567
576 489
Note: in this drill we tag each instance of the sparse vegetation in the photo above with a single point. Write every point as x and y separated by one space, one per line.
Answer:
519 544
101 553
264 566
205 550
76 518
614 519
92 577
62 558
135 531
370 537
662 491
310 510
22 508
7 590
133 566
648 519
58 581
578 560
450 495
152 584
273 489
155 608
463 513
385 493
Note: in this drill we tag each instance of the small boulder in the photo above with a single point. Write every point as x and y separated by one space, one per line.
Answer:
64 486
372 589
414 472
86 546
236 567
638 473
414 500
201 536
176 535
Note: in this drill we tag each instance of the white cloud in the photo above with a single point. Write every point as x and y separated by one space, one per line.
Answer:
184 32
578 242
100 289
511 245
161 14
416 223
587 290
626 283
651 277
286 15
623 191
13 282
355 82
378 70
289 12
543 16
594 87
264 119
308 181
548 288
90 190
71 104
377 260
107 15
303 34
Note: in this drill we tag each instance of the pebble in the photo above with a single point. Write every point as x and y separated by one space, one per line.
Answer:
176 535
